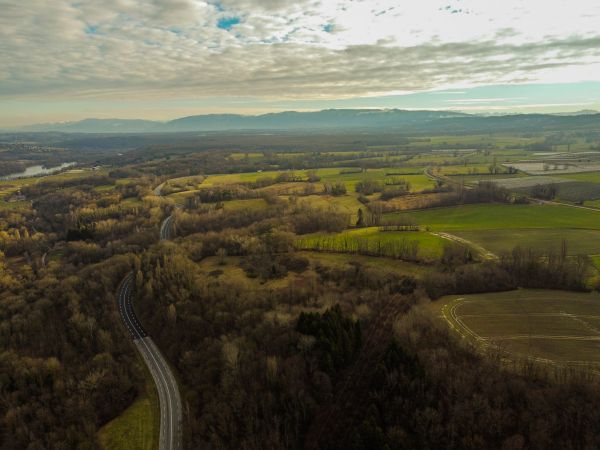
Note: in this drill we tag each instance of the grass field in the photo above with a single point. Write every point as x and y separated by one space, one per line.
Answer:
528 181
589 177
501 240
551 326
417 182
372 241
243 155
383 265
254 204
499 216
567 190
138 427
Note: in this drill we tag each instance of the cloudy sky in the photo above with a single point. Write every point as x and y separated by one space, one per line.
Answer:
161 59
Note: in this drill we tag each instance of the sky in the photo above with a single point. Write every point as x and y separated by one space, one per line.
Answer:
64 60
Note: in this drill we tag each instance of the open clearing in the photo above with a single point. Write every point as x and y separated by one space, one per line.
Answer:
137 428
551 326
374 242
499 216
499 241
555 168
526 182
499 228
590 177
349 176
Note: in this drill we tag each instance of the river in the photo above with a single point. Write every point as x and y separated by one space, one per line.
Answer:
34 171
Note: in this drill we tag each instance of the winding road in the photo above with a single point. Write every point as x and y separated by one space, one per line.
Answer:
166 385
166 228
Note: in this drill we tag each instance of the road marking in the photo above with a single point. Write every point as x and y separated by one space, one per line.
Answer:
165 383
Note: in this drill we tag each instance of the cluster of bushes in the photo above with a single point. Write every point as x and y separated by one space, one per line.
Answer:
357 276
519 268
544 191
397 191
368 187
335 189
306 219
271 256
215 195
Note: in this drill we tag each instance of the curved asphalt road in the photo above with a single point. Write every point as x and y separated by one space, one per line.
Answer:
165 228
168 392
166 385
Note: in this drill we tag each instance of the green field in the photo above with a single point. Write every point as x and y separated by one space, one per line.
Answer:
501 240
374 242
137 428
551 326
501 216
590 177
417 182
254 204
243 155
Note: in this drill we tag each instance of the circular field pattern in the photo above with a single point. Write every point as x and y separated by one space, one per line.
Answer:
544 325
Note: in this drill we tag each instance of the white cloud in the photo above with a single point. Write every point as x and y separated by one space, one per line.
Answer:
281 49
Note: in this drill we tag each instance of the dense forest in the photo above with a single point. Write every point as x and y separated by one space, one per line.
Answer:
274 347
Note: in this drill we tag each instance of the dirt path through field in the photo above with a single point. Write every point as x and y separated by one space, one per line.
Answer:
485 254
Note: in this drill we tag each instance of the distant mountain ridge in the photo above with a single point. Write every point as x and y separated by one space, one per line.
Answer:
333 119
97 126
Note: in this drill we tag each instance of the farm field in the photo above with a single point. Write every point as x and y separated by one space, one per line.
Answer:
236 156
469 169
501 240
475 178
374 242
332 175
417 182
560 168
527 181
552 326
590 177
503 216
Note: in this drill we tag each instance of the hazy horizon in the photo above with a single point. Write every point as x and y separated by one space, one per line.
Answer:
161 60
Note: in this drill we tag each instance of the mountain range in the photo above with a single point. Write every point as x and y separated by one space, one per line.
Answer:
333 119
